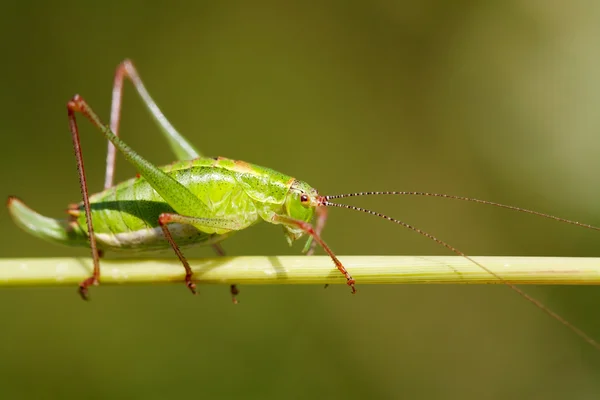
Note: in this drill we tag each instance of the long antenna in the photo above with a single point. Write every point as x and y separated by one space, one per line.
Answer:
448 196
325 202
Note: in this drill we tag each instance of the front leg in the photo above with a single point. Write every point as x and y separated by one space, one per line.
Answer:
308 229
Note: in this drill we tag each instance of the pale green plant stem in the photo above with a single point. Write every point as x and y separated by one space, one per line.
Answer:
305 270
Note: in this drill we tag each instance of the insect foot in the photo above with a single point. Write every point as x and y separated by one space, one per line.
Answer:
234 292
351 283
83 287
191 285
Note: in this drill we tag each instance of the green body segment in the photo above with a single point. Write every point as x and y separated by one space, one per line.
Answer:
126 216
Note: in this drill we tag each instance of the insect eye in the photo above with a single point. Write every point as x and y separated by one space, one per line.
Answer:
304 198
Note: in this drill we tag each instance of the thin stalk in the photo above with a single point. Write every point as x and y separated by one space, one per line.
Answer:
305 270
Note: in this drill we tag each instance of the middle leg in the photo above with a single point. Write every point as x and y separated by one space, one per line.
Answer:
233 288
167 218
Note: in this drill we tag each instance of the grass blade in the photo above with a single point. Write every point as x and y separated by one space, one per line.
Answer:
306 270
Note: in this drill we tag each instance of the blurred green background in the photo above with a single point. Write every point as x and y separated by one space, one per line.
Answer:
495 100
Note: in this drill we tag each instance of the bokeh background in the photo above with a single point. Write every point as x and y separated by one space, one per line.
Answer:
495 100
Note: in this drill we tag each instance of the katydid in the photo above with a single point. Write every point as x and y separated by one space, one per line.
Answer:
200 200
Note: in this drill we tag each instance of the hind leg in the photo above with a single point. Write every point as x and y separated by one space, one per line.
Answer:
181 147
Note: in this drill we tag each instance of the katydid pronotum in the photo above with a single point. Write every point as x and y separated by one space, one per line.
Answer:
200 200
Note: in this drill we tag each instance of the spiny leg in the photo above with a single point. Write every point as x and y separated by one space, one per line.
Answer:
115 119
163 220
167 218
308 229
173 192
233 288
95 278
180 146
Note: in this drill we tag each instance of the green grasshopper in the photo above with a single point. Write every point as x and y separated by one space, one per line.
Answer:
199 200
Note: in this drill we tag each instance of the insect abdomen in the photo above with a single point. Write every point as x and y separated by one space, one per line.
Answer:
125 217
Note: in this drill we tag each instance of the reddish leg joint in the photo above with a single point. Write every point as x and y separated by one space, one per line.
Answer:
77 104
